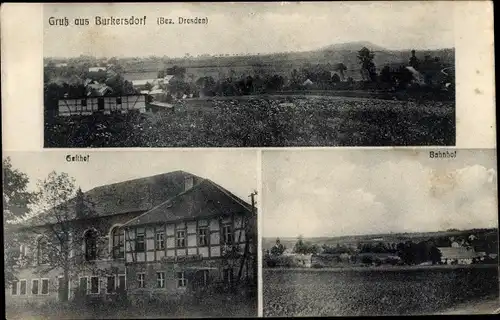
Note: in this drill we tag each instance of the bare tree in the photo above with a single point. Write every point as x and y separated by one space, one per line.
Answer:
62 212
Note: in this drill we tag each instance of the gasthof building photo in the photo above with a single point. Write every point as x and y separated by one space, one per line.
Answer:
168 244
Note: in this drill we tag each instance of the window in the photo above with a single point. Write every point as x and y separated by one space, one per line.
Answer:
140 280
139 240
14 288
227 234
110 285
94 285
84 102
83 285
121 282
160 279
160 240
228 276
22 250
45 286
23 289
42 252
34 286
90 238
181 238
181 280
118 244
118 100
203 236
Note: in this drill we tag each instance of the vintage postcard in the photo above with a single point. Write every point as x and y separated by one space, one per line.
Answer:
249 159
379 232
148 234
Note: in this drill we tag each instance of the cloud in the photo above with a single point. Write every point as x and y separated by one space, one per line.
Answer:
337 197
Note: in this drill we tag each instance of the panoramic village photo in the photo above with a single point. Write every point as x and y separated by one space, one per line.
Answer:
249 75
379 232
130 235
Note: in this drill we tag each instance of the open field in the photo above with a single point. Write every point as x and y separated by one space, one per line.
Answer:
374 292
293 121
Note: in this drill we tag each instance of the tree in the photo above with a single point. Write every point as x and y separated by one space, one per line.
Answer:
414 60
341 68
148 86
368 70
386 75
16 197
302 247
278 248
57 227
335 78
16 205
435 255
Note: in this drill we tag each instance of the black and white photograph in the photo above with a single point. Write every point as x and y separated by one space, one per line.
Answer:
379 232
130 235
190 75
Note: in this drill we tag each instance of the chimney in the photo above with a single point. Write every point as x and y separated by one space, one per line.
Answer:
188 182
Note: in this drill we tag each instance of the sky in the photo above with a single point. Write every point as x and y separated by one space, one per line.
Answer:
321 193
248 27
235 171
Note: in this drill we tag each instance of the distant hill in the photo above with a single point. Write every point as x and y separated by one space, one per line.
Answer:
283 63
352 46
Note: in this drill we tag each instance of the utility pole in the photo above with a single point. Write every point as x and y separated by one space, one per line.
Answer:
249 234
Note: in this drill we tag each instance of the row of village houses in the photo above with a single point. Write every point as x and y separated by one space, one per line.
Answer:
100 97
167 234
459 252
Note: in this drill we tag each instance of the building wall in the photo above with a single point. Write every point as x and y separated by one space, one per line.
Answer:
68 107
105 262
212 250
189 259
214 267
169 260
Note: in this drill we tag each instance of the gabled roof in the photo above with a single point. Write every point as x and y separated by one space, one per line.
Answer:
137 195
205 199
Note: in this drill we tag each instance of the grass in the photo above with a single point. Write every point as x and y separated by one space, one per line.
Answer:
373 292
209 306
266 122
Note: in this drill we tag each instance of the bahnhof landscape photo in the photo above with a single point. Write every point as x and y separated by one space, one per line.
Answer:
375 232
256 75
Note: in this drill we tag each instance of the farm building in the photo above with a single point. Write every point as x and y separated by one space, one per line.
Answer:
97 69
141 83
98 89
168 235
157 106
105 104
459 255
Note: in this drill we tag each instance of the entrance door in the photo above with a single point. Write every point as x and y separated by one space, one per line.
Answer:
62 292
201 279
100 104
